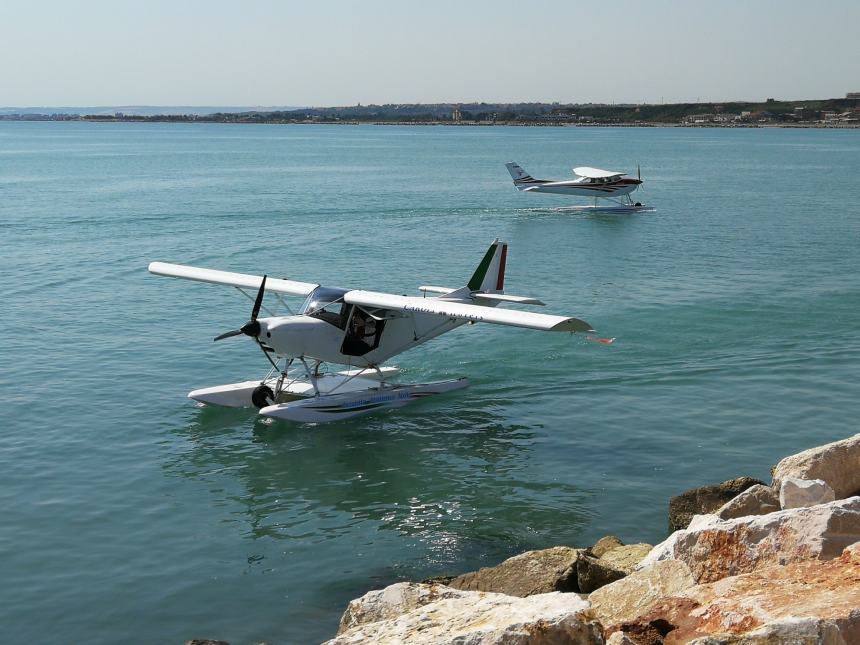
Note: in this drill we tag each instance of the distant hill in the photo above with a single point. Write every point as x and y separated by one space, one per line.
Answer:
842 111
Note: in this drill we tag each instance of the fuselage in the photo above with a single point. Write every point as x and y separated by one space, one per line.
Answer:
332 331
581 186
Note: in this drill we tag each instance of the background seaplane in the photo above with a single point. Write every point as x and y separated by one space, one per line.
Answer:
357 329
606 185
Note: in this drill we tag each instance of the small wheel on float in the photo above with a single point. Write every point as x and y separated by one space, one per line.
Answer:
262 396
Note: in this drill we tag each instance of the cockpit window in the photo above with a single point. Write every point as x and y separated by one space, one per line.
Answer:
327 304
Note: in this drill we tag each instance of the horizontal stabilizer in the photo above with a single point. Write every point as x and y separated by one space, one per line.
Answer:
240 280
503 297
429 289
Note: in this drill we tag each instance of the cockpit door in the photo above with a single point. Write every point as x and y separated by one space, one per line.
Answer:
363 333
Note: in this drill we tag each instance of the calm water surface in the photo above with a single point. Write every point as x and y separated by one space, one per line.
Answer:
130 515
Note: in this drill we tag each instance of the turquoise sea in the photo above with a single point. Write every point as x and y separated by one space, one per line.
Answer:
131 515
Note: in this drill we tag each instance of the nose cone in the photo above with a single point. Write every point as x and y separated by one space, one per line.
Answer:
296 336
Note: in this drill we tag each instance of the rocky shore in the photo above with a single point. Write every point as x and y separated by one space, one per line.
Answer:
746 563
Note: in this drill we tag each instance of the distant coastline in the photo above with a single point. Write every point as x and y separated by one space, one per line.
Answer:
821 113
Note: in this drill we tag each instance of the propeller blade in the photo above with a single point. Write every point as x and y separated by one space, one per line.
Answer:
252 327
228 334
638 172
259 301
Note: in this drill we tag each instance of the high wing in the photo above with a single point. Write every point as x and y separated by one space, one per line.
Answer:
465 311
595 173
239 280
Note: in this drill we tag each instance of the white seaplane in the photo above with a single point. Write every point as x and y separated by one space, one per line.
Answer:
606 185
359 330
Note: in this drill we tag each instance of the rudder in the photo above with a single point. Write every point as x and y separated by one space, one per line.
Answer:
517 173
489 277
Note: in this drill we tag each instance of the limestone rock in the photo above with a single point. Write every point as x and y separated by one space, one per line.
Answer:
477 618
704 499
755 500
605 544
393 601
715 548
837 464
593 573
797 493
620 638
626 557
634 595
527 574
811 601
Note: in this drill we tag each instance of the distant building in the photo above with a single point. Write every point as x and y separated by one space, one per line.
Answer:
802 114
853 95
699 118
456 115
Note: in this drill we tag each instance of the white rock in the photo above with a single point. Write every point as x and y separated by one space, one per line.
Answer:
393 601
837 464
799 493
701 521
620 638
755 500
717 548
481 618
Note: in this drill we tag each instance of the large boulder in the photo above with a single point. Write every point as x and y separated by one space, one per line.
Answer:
704 499
715 548
527 574
626 557
755 500
604 545
477 618
593 573
634 595
797 493
801 603
393 601
837 464
607 561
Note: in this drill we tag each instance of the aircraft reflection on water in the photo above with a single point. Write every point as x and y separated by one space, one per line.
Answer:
454 483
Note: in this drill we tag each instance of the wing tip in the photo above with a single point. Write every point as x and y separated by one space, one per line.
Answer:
573 325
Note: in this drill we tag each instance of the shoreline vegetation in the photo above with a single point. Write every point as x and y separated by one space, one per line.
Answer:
823 113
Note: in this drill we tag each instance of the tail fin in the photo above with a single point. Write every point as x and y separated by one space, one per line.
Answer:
489 277
517 173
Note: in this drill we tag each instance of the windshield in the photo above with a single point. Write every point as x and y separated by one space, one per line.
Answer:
326 303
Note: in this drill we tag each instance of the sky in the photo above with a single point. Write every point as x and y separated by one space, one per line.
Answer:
268 52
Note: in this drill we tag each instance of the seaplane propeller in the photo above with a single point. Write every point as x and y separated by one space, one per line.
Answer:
252 327
262 394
